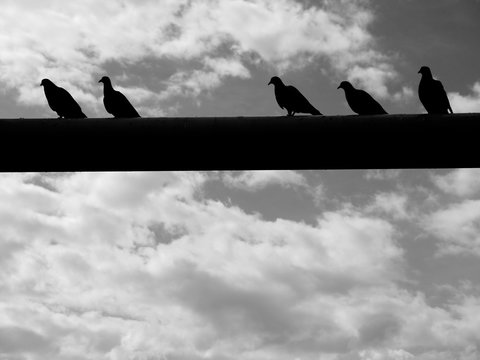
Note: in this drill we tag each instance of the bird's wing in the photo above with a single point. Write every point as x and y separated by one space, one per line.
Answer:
65 96
298 101
67 102
442 94
123 106
296 96
371 105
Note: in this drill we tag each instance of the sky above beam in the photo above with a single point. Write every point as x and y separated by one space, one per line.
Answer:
214 58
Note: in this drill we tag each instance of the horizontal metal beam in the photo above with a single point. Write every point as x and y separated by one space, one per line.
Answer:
240 143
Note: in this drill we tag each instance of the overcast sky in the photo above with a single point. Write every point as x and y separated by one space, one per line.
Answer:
283 265
215 58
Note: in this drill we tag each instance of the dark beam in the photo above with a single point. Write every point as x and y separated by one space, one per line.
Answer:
300 142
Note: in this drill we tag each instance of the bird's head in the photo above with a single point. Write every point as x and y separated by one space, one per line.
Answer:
275 81
104 80
345 85
425 70
45 82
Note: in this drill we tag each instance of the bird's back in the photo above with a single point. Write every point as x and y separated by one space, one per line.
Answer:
118 105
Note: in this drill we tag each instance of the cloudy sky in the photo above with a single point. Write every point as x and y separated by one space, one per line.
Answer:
284 265
331 265
215 57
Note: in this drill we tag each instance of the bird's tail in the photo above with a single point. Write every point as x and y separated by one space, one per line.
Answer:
449 107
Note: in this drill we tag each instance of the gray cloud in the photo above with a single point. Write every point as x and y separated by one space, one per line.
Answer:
15 340
379 328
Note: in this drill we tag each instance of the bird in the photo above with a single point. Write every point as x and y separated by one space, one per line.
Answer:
360 101
61 101
289 98
115 102
432 94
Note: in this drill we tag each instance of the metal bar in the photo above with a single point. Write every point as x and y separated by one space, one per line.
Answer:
240 143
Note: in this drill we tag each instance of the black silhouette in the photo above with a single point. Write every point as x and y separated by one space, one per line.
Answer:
115 102
61 101
360 101
289 98
432 94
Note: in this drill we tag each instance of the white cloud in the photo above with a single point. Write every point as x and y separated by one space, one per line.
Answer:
375 75
386 355
194 82
404 94
392 204
86 273
457 226
460 182
466 103
373 78
89 267
389 174
257 180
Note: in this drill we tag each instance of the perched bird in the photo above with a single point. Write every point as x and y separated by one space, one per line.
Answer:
61 101
360 101
432 94
115 102
289 98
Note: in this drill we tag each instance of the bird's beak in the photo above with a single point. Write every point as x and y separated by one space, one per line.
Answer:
269 83
339 86
419 71
100 81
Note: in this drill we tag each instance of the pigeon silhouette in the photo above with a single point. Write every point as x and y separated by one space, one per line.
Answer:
289 98
360 101
115 102
61 101
432 94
